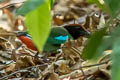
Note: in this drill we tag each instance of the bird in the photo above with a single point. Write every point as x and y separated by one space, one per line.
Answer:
57 36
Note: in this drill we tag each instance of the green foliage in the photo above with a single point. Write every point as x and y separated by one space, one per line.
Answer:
38 23
29 6
93 44
106 44
118 17
96 45
114 6
116 53
51 3
100 3
116 59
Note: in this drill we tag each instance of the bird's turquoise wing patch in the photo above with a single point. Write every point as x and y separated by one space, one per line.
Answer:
63 38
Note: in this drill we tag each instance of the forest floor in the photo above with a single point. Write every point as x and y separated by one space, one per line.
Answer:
17 62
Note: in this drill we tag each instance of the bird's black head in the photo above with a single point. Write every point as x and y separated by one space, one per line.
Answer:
21 33
76 30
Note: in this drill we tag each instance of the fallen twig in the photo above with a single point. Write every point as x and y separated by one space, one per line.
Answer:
21 71
96 64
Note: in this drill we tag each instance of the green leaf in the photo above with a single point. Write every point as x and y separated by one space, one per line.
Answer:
118 17
29 6
116 53
100 3
115 60
114 6
106 43
38 23
94 42
51 3
116 32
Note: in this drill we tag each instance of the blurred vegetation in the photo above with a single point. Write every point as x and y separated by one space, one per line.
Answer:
38 21
95 48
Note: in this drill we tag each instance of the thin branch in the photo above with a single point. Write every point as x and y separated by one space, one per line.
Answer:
83 72
96 64
2 78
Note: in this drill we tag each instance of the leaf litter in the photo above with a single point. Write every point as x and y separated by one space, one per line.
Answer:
17 62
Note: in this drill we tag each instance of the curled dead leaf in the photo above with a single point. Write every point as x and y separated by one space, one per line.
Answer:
72 50
24 61
63 69
10 68
54 76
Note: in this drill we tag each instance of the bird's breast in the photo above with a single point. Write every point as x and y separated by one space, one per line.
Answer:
28 42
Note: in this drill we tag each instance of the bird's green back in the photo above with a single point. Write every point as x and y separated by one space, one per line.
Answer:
56 32
53 44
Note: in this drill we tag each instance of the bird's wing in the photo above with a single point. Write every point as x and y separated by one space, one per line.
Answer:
58 35
50 47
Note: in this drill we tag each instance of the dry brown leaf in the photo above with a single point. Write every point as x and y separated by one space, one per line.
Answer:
59 62
68 10
71 50
101 22
10 2
77 65
54 76
106 73
10 16
24 61
16 54
5 44
100 75
63 69
4 33
73 74
10 68
68 78
15 79
31 79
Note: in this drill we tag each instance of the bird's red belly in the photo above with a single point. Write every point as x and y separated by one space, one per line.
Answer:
28 42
